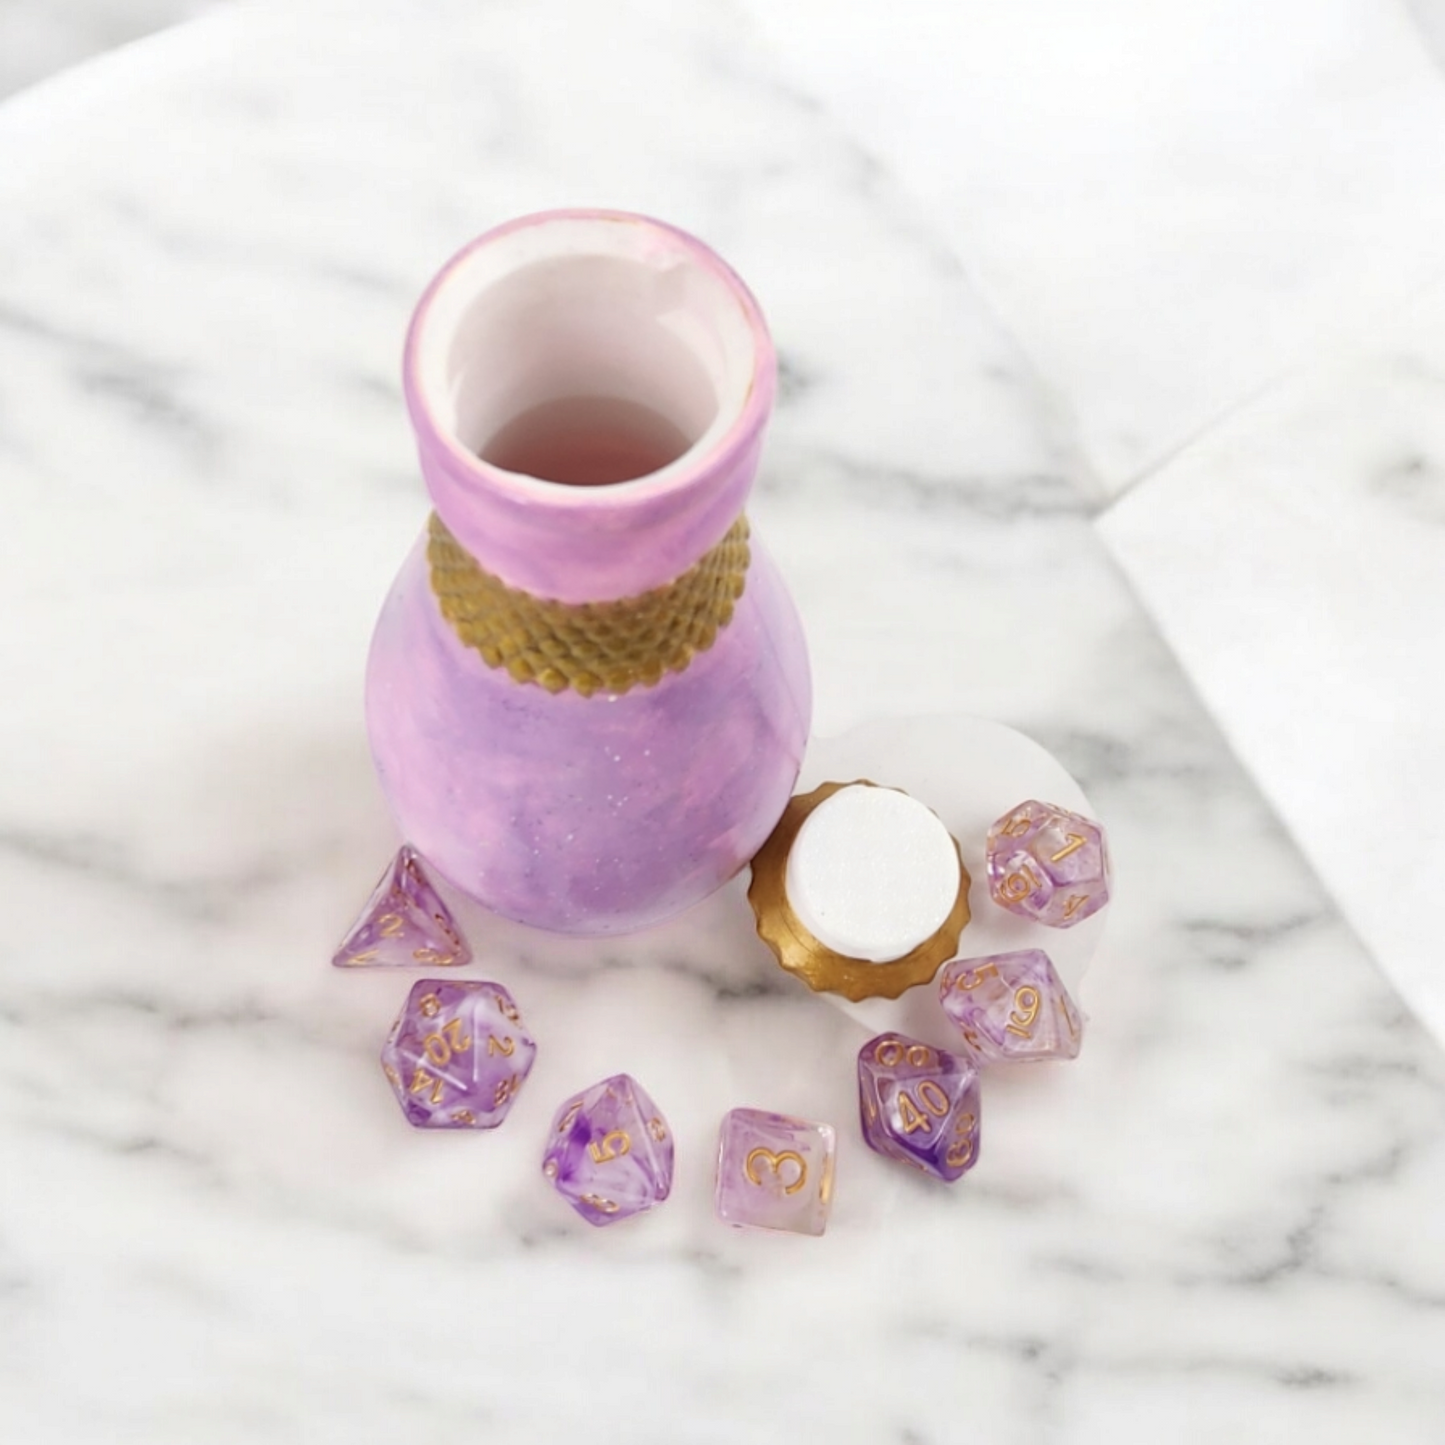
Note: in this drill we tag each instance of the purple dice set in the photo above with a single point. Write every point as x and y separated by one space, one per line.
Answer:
459 1053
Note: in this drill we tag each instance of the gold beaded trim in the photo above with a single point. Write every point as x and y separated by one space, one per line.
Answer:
814 962
589 646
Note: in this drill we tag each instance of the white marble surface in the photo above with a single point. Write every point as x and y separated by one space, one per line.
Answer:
1170 205
1296 559
213 1224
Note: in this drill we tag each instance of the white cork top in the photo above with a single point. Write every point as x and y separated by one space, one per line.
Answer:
872 873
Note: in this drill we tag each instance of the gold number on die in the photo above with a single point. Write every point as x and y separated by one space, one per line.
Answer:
934 1101
775 1164
1025 1011
612 1146
1017 886
972 977
891 1052
961 1150
441 1046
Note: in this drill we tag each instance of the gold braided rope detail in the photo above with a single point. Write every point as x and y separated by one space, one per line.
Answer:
589 646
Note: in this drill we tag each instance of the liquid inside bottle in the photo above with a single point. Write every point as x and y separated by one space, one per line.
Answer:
587 441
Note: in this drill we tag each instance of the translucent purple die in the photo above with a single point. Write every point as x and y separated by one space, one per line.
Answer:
919 1105
457 1055
405 924
1048 864
1011 1007
775 1172
610 1151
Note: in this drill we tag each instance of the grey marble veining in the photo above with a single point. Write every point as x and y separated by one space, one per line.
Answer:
213 1222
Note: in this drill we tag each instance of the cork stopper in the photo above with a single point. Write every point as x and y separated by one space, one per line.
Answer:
860 890
872 873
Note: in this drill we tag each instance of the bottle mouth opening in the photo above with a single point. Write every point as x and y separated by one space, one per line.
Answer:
586 349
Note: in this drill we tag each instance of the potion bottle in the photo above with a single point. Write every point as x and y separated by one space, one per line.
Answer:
588 692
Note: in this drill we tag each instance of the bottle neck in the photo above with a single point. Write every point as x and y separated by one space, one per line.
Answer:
589 391
590 544
607 647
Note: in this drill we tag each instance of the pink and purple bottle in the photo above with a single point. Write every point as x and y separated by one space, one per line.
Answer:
588 691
